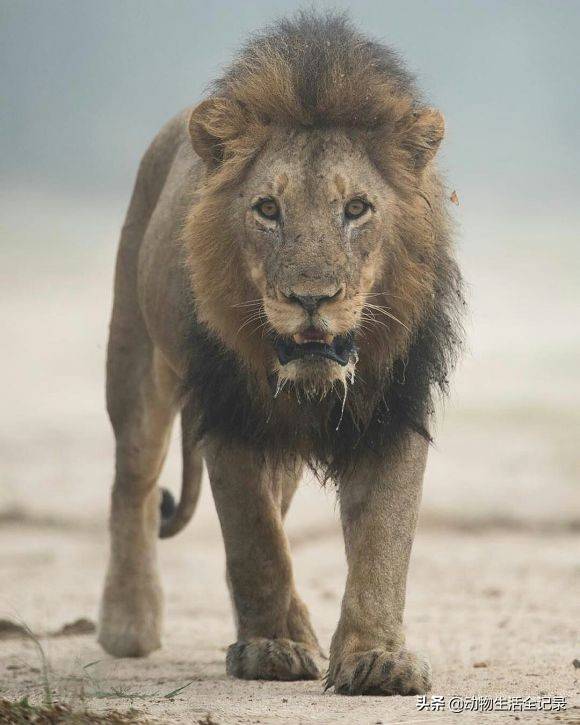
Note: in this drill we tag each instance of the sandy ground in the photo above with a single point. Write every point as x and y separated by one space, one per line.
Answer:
504 600
495 574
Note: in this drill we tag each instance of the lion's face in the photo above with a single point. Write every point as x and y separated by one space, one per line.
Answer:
309 244
314 219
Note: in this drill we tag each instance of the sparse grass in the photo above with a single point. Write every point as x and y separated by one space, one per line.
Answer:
124 693
171 695
70 705
23 630
54 709
22 712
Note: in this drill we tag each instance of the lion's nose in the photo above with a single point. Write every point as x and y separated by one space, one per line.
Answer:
312 302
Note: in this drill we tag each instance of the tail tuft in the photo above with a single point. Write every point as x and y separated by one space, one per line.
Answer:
175 516
168 505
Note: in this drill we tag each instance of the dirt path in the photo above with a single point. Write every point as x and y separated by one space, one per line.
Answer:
498 613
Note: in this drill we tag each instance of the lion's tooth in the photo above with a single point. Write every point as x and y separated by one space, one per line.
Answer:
300 338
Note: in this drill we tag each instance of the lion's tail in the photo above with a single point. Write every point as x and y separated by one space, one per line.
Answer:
174 517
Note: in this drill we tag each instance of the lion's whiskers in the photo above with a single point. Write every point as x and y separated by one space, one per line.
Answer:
249 303
280 385
380 294
373 320
385 311
253 317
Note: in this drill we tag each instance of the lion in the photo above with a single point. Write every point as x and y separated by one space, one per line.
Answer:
285 281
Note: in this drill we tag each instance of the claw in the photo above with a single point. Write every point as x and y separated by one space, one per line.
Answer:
381 672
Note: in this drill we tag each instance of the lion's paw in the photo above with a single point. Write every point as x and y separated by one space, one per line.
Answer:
271 659
378 672
130 626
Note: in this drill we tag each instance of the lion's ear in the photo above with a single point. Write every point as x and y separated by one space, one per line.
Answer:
212 124
424 136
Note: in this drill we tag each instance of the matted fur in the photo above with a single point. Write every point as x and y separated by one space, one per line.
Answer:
318 72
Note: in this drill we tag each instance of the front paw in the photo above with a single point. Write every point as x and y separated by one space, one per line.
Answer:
271 659
379 672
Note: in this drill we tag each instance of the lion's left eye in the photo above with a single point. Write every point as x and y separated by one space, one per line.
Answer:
355 208
268 208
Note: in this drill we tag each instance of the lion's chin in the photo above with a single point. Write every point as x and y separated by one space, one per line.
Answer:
313 364
314 376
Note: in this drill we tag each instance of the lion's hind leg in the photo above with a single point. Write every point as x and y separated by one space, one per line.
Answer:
142 395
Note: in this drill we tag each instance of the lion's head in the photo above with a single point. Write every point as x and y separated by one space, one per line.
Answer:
318 244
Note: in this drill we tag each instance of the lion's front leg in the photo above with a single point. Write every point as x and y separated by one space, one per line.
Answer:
275 640
379 507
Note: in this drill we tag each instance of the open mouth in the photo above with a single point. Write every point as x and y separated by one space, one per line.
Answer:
338 349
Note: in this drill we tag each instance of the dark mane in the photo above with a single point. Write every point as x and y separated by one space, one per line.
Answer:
403 400
317 70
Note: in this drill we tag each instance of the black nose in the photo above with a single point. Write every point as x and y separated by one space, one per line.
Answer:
312 302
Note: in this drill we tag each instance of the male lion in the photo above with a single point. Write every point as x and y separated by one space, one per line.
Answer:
285 280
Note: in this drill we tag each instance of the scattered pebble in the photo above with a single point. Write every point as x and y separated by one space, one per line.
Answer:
492 592
9 629
79 626
207 720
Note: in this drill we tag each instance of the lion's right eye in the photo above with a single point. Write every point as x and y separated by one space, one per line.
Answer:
268 208
355 208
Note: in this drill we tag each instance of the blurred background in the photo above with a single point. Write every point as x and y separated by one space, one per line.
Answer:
84 88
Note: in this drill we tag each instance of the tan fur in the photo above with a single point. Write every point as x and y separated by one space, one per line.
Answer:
193 237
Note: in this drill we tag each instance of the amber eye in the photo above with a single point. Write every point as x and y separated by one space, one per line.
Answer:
355 208
268 208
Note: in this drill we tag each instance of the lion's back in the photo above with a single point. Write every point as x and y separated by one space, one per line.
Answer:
157 161
147 271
